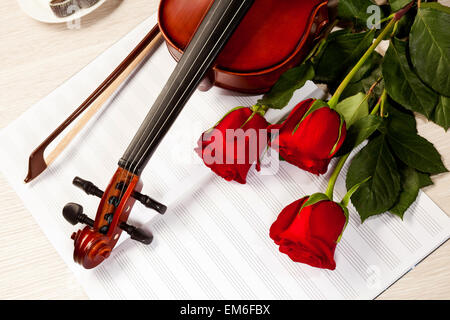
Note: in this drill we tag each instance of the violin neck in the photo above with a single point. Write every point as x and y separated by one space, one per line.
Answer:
216 28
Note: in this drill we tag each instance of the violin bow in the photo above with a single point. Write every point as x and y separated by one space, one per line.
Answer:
36 162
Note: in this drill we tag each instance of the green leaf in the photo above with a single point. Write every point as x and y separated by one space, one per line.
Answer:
403 85
364 85
412 182
283 90
378 194
314 198
342 50
373 62
442 113
350 192
398 4
355 10
415 151
353 108
399 118
437 6
359 132
429 46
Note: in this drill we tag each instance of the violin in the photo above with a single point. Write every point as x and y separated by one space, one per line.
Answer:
241 45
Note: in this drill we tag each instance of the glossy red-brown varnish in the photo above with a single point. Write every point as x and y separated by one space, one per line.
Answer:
274 36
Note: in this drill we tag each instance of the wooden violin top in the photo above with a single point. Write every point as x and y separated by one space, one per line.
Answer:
268 35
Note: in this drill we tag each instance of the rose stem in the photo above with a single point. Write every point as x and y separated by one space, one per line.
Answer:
397 16
387 18
335 99
377 106
334 176
343 159
382 102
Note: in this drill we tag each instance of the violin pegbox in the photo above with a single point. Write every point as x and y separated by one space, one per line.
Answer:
94 243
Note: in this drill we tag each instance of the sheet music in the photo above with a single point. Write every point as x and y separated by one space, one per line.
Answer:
214 240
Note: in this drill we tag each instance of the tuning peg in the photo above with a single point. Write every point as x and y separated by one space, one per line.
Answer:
87 187
91 189
150 203
137 234
73 213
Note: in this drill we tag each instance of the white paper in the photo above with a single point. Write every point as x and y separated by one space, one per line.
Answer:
214 240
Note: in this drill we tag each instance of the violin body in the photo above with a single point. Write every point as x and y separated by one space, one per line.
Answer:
242 45
274 36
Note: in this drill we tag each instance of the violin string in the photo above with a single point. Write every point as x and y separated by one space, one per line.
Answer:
122 177
193 79
128 167
138 144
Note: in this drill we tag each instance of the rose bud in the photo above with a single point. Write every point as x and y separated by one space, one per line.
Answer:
234 144
309 234
309 142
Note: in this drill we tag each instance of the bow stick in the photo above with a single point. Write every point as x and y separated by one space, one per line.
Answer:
36 163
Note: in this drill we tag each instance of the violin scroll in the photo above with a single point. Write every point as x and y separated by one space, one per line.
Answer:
91 248
94 243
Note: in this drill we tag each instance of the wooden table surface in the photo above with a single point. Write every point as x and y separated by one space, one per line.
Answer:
36 58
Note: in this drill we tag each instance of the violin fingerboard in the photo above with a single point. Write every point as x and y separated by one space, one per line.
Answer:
216 28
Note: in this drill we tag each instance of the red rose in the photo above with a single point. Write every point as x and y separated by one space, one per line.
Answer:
234 144
310 143
310 235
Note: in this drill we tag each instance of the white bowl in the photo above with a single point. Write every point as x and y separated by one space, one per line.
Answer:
40 10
